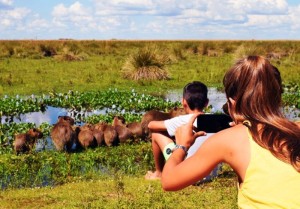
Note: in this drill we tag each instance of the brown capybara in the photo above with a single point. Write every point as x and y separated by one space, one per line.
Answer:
136 130
158 116
63 134
100 126
110 135
99 136
109 132
25 142
124 134
86 137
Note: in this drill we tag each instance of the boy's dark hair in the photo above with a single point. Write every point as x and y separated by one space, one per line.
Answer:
195 94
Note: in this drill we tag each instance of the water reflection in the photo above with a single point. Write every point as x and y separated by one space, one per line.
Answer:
50 115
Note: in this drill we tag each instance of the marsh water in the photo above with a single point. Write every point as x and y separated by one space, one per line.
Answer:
216 101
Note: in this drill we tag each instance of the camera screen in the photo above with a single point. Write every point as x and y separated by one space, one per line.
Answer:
212 123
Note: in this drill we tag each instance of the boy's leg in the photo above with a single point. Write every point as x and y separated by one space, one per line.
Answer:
159 142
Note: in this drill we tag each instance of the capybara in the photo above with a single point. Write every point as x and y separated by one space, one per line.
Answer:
99 136
124 134
100 126
25 142
110 133
158 116
136 130
63 134
86 137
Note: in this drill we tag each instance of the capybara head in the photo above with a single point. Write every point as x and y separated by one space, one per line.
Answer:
34 133
118 120
176 111
100 126
67 119
87 126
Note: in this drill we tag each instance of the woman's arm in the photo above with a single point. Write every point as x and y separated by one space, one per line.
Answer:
179 173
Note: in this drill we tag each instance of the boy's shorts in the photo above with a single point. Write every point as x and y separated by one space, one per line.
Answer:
168 150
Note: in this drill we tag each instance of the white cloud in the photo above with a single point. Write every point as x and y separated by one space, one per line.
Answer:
85 19
75 9
6 2
294 17
13 17
75 14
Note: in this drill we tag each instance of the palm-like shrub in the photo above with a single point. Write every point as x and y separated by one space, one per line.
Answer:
146 64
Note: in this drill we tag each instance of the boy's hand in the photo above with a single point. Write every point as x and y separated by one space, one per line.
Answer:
185 134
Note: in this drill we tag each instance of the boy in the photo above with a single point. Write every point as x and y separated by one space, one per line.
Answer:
194 101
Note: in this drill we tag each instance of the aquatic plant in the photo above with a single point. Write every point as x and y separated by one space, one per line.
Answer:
51 168
114 99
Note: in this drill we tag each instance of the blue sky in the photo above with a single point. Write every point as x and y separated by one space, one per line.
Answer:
150 19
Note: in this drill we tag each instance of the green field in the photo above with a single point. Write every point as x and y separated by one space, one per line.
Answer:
36 67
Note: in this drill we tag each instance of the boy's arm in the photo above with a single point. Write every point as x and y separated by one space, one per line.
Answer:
157 126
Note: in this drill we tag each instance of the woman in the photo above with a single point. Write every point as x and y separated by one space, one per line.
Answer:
263 147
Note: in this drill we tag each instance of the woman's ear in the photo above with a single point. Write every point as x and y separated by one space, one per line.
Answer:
232 101
230 105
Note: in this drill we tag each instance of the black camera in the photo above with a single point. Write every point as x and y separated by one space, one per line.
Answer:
212 123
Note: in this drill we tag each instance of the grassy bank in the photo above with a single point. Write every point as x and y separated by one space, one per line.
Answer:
123 192
59 180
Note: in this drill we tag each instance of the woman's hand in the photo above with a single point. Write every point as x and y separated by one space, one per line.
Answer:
185 134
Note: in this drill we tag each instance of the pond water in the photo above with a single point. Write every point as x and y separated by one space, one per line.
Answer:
216 100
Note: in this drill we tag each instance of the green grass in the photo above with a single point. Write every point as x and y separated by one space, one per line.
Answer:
123 192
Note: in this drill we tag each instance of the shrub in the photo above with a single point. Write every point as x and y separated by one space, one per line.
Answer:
246 50
147 64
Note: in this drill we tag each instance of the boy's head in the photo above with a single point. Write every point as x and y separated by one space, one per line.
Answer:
195 95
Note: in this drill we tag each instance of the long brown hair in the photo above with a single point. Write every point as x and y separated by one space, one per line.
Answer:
255 85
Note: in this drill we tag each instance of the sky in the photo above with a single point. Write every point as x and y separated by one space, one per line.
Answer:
150 19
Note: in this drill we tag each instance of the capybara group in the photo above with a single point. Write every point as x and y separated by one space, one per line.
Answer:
63 134
25 142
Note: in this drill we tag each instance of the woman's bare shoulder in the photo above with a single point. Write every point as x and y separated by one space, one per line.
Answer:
230 135
231 143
